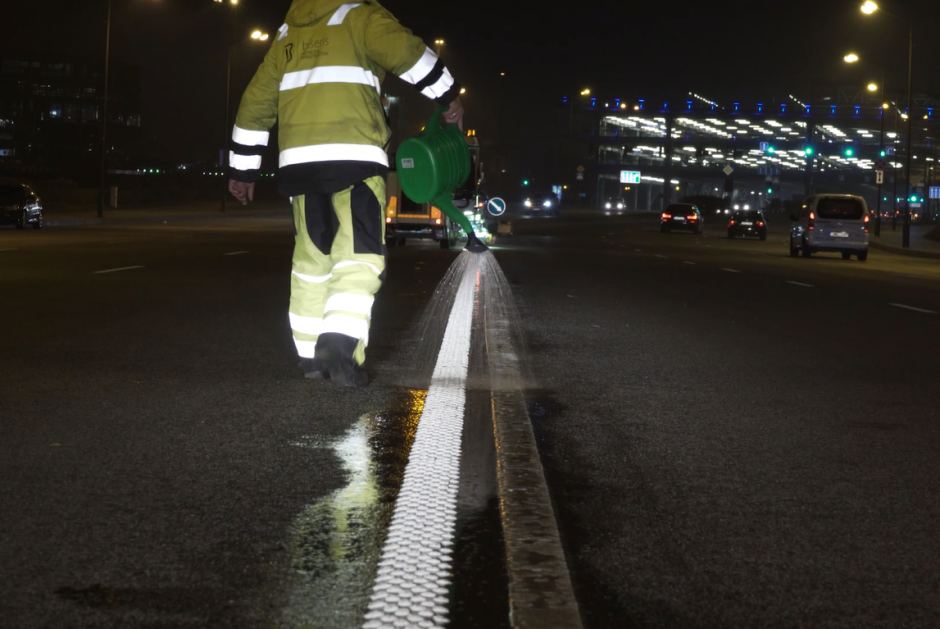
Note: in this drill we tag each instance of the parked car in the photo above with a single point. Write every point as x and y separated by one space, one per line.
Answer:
683 216
747 223
831 222
20 206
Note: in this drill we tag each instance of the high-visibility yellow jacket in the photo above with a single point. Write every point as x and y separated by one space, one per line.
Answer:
321 82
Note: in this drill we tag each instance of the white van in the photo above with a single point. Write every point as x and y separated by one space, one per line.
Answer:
831 222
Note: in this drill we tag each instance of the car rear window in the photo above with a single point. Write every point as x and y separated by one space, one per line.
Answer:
841 209
755 216
11 194
680 209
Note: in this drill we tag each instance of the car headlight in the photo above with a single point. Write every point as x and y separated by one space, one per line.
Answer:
528 203
607 206
747 207
620 206
547 204
737 207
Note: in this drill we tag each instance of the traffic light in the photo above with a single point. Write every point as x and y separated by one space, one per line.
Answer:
883 153
525 182
809 151
770 189
771 149
849 151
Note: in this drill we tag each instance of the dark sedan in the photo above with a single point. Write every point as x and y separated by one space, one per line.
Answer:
683 216
747 223
20 206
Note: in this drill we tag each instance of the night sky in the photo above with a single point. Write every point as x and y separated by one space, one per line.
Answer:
722 50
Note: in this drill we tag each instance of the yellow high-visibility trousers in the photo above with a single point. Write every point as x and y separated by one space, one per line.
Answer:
338 264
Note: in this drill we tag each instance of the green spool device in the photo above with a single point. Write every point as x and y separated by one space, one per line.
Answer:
432 164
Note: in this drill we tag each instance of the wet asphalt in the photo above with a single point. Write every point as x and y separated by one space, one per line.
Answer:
723 447
726 448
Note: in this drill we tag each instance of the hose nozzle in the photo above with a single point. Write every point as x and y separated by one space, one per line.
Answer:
475 245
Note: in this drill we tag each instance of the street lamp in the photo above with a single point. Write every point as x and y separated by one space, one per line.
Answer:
870 8
872 87
255 36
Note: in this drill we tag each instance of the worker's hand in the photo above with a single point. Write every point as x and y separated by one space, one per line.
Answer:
242 190
454 115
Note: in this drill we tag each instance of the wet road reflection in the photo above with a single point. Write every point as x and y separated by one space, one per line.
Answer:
337 542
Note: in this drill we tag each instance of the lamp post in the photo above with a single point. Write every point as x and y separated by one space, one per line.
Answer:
869 8
853 58
255 36
104 112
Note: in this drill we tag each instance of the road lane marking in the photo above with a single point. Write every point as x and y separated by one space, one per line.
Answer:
913 308
692 263
412 581
12 249
116 242
638 250
235 253
731 270
663 257
123 268
799 284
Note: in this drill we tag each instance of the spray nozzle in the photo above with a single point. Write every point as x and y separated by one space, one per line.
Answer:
475 245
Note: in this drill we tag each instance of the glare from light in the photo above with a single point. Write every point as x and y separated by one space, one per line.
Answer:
585 92
463 90
872 87
439 42
886 106
256 35
851 57
264 37
869 7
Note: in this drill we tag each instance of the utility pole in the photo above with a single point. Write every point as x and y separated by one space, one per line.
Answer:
104 114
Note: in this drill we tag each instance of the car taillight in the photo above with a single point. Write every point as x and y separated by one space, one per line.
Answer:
731 224
692 218
667 216
812 220
760 224
437 221
866 218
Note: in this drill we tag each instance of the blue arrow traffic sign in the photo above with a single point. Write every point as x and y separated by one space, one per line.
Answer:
496 206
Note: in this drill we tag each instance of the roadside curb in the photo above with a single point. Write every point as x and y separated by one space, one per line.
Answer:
540 589
874 244
161 218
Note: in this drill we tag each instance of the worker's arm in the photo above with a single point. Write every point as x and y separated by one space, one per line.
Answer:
256 115
396 49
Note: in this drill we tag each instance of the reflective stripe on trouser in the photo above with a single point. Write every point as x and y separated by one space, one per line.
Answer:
338 264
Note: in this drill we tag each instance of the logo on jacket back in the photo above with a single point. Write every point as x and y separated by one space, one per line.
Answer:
314 48
289 50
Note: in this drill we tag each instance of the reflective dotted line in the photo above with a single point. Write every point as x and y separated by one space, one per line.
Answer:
414 572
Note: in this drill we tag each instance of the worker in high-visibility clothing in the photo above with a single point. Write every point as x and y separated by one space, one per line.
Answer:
321 82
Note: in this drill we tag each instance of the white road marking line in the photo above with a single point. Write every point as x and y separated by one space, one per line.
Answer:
663 257
414 572
691 263
11 249
638 250
731 270
123 268
799 284
913 308
236 253
116 242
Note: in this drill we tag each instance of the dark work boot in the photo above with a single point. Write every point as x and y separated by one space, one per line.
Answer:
335 352
314 369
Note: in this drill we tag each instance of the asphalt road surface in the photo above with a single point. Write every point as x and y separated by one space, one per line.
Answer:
731 437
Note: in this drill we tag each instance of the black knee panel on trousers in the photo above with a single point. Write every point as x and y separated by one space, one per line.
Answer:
367 219
322 224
